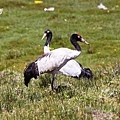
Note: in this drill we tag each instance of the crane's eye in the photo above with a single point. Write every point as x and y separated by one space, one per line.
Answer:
79 36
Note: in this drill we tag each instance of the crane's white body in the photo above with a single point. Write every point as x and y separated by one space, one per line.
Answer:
54 61
71 68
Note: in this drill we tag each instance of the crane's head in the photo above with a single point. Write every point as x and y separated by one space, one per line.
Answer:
78 37
47 33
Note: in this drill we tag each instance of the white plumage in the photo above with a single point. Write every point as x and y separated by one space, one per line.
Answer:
71 68
53 60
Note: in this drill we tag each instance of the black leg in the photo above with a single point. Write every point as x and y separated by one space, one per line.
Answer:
54 87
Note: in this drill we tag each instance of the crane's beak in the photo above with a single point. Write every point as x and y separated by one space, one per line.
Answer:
44 35
84 41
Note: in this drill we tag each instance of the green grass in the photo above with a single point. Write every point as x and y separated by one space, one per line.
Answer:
22 24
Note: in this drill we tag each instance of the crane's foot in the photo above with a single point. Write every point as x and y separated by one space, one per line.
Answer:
59 88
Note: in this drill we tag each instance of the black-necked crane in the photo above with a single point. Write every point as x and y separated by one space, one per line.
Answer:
53 61
72 68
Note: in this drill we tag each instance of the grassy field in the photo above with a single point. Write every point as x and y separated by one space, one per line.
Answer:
22 24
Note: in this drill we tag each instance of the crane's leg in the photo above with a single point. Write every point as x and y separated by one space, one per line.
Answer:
53 85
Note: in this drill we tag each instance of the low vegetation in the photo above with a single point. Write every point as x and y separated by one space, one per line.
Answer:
22 24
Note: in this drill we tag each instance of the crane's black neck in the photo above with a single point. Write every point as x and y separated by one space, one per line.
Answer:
75 44
48 40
